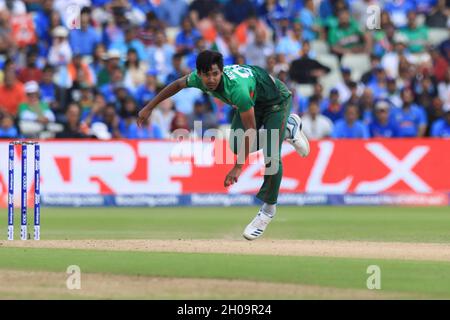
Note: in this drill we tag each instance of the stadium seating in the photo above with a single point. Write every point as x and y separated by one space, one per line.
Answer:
436 35
358 64
319 47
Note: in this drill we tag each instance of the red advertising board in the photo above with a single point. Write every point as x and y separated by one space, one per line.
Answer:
340 167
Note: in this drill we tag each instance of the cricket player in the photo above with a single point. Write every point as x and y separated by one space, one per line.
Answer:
262 102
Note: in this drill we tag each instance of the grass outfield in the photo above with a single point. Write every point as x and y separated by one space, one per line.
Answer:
181 275
320 223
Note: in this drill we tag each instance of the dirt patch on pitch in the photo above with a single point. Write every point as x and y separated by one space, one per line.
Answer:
316 248
52 285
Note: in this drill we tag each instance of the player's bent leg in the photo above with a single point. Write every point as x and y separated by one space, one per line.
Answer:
295 135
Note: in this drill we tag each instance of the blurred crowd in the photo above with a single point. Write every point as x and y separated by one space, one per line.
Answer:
84 68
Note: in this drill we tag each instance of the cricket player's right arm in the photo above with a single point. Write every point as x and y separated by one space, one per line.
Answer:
170 90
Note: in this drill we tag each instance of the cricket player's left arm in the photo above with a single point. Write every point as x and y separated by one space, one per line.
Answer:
249 123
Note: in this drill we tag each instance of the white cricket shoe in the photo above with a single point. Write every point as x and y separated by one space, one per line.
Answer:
256 228
296 136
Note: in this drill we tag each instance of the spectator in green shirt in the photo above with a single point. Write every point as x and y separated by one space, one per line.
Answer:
112 61
34 109
417 35
346 37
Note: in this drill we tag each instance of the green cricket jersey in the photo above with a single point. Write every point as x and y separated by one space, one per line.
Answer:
243 87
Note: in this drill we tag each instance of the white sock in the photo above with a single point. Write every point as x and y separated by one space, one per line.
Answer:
269 209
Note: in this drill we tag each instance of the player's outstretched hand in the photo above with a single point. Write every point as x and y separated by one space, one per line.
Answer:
143 115
232 176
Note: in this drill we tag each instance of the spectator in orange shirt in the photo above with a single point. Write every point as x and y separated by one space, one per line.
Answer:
12 93
212 26
245 32
77 68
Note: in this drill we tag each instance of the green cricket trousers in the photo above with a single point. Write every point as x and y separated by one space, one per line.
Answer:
268 118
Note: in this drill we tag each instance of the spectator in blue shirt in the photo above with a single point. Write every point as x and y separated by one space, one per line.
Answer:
392 92
52 94
350 127
172 11
147 131
84 40
332 108
100 3
191 58
398 10
186 38
160 55
381 126
7 128
144 5
441 127
366 105
294 6
307 17
95 112
109 90
410 120
325 9
237 11
378 85
291 44
271 13
127 113
147 91
130 42
178 69
425 6
42 19
202 113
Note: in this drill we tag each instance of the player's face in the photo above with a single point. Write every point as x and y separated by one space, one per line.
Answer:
211 79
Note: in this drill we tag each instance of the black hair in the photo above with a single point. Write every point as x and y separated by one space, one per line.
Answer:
110 105
351 105
8 62
177 55
32 51
252 14
353 84
374 56
132 50
404 90
85 10
138 61
199 39
341 10
73 103
206 59
313 100
116 68
48 67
